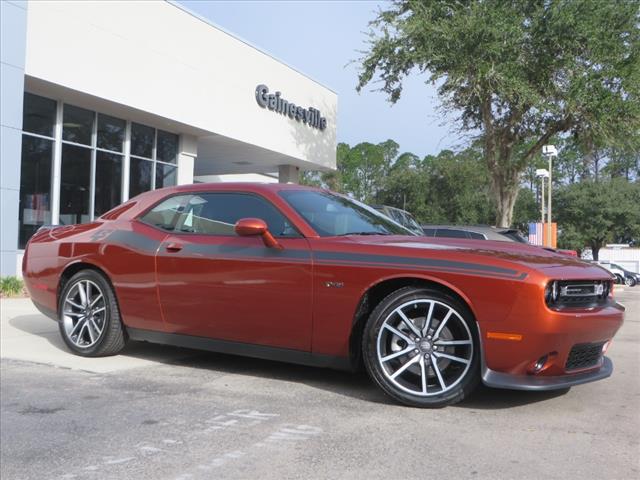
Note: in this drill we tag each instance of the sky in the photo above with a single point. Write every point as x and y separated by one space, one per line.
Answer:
328 38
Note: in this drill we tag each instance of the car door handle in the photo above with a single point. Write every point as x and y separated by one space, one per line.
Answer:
173 247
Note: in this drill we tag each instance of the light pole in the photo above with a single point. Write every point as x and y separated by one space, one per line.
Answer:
549 151
541 173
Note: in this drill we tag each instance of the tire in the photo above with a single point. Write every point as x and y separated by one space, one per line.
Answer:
630 282
89 317
417 366
619 280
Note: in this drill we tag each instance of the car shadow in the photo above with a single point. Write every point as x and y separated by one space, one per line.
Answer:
354 385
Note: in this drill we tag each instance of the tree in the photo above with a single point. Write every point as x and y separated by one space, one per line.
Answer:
519 71
596 213
448 188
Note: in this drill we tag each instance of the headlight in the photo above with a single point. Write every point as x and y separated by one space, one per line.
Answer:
551 292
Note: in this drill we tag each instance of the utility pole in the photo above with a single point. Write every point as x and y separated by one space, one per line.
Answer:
541 173
550 151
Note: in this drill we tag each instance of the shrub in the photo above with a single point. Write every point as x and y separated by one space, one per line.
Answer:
11 286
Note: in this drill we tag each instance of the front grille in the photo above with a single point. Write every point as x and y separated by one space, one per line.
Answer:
584 355
577 293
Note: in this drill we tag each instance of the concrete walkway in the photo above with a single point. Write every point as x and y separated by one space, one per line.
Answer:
26 334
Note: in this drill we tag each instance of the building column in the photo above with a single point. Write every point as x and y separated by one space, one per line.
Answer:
288 174
13 16
187 153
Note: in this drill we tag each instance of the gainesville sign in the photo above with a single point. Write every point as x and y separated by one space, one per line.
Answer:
310 116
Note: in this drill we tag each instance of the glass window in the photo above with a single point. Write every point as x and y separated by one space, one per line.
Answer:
35 186
476 236
108 186
165 175
451 233
77 125
167 147
514 235
165 214
429 232
142 138
332 215
38 115
110 133
75 185
139 176
217 214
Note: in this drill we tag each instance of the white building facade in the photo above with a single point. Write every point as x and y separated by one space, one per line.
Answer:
104 100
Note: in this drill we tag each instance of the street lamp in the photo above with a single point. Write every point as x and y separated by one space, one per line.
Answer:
549 151
542 173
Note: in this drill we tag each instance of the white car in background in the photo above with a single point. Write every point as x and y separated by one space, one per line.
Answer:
630 279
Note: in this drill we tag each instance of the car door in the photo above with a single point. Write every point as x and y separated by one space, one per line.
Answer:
214 283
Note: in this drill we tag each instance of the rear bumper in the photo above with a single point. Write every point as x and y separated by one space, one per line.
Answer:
495 379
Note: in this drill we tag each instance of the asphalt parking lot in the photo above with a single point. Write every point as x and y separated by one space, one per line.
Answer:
165 413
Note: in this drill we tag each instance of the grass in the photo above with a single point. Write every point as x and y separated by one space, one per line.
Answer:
11 287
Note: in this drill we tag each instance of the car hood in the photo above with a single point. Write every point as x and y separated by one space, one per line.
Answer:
523 257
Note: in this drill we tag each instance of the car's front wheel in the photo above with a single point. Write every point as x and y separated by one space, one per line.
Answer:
420 347
89 318
630 282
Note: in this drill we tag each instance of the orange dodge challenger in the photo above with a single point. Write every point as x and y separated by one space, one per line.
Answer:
308 276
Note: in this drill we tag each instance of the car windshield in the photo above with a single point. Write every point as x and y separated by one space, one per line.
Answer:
333 215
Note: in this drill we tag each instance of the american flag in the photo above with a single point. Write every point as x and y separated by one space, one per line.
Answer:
536 232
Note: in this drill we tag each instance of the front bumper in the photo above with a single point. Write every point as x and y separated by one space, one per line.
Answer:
494 379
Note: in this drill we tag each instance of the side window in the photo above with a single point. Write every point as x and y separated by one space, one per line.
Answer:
217 214
451 233
429 232
476 236
165 214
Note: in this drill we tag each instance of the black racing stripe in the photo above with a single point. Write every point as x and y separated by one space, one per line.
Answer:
133 240
139 241
243 251
423 262
520 276
236 251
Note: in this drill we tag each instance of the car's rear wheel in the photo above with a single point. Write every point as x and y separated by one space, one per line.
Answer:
630 282
420 347
619 280
89 318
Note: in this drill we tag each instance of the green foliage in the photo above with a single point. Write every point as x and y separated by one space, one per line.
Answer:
11 286
526 210
447 188
519 71
594 213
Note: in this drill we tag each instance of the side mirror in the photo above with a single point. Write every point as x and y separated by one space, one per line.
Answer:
252 227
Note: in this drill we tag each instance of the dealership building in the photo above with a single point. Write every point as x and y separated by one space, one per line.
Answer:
104 100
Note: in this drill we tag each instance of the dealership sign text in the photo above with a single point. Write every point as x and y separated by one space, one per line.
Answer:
311 116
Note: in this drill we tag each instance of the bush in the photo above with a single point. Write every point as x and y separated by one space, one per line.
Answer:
11 286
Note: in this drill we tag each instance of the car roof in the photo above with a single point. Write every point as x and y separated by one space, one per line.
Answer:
248 186
473 228
490 233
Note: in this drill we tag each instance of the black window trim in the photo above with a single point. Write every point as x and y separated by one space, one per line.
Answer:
138 218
